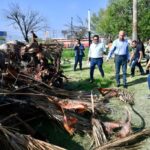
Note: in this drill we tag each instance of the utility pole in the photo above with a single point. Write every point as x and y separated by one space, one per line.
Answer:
89 27
134 26
71 27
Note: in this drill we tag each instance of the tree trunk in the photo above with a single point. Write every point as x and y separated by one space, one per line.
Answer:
134 26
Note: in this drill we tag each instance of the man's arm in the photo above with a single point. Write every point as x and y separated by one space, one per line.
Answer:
113 48
132 55
128 54
141 55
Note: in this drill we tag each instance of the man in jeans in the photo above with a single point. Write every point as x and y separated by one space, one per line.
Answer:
121 51
79 54
136 58
95 56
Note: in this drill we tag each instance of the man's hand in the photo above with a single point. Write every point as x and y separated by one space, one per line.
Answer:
107 59
139 60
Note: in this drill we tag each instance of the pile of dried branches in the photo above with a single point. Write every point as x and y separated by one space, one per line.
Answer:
41 61
74 111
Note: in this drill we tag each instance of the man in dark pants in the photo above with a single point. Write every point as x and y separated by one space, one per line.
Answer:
79 54
136 58
122 57
96 56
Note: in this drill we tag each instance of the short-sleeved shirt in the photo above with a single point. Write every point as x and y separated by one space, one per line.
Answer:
136 52
96 50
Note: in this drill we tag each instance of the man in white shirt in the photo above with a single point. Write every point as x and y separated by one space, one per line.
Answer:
96 56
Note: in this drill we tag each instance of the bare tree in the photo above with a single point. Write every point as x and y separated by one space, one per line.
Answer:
26 22
134 27
76 31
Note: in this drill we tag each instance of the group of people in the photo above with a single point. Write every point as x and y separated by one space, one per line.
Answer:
120 49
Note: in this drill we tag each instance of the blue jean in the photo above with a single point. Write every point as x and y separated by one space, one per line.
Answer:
148 81
121 61
99 63
78 59
135 63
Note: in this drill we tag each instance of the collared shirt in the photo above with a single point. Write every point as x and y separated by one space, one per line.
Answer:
79 50
119 48
136 52
96 50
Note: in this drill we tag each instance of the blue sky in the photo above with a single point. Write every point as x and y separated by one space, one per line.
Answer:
57 12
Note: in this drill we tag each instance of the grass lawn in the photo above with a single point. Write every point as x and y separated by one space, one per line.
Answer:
79 80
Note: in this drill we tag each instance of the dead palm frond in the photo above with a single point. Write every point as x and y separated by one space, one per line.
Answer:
15 141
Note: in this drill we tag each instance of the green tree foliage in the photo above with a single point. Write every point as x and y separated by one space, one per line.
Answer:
118 16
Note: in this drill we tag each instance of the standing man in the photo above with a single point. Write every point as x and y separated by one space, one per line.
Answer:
79 54
95 56
136 57
121 51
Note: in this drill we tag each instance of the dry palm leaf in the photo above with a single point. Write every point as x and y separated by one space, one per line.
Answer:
127 141
122 94
15 141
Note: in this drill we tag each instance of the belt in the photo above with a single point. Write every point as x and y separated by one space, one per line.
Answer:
120 55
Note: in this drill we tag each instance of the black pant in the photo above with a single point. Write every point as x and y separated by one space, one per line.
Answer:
135 63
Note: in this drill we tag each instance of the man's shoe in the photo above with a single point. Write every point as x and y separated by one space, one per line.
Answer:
125 86
91 81
118 85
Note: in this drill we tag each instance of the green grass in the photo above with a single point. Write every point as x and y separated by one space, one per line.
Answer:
79 80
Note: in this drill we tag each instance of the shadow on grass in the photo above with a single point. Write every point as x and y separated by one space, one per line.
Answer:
137 81
58 136
66 66
85 85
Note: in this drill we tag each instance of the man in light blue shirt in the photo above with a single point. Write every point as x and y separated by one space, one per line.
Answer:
122 57
96 56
